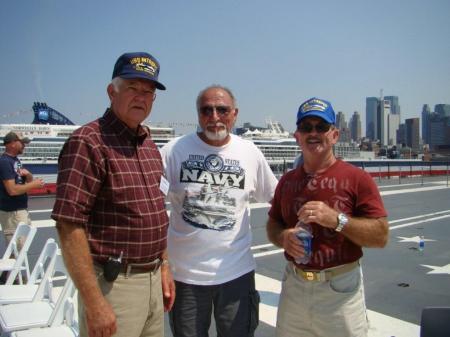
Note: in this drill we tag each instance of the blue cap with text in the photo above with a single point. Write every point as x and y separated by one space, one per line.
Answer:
316 107
138 65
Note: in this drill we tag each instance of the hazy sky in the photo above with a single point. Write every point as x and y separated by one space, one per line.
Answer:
272 54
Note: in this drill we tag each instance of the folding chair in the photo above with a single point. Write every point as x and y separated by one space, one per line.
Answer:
16 257
36 287
69 328
435 322
44 313
59 331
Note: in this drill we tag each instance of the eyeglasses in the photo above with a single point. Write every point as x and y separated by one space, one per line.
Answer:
319 127
208 110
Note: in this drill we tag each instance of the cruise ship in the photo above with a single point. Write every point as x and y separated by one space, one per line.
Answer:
277 145
280 147
50 129
48 132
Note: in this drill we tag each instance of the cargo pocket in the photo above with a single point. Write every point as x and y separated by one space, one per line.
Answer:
253 312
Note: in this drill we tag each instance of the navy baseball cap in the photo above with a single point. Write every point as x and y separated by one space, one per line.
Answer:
318 108
138 65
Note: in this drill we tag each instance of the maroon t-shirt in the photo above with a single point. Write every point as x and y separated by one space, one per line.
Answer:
342 186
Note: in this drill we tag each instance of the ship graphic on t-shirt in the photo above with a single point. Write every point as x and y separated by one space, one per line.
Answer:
211 208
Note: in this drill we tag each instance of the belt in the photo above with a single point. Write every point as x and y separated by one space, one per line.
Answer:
135 268
326 274
144 267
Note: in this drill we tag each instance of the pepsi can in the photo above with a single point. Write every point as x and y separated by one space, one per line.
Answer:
305 239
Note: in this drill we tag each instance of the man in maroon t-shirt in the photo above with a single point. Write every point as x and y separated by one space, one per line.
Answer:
341 204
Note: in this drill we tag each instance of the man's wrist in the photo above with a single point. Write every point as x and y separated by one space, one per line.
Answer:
342 221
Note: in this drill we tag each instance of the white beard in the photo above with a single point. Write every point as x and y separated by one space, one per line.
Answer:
216 136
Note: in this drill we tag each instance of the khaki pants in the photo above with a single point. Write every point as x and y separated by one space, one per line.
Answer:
136 301
10 221
330 308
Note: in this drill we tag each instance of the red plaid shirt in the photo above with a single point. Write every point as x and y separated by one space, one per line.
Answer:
108 182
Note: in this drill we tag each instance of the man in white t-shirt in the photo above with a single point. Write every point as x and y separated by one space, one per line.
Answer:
213 175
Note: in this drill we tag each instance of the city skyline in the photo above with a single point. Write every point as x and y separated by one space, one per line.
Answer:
272 57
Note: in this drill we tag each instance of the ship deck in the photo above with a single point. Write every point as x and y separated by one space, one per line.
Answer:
399 279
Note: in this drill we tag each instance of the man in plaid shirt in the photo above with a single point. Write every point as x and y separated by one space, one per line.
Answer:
110 211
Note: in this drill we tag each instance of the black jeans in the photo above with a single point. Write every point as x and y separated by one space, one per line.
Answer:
234 305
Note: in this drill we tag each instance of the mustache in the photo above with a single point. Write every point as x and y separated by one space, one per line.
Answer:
312 138
215 124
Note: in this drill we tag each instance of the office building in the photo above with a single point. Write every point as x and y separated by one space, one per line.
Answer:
378 112
438 130
355 126
401 134
371 117
393 125
426 113
340 120
344 131
412 133
382 127
394 106
442 110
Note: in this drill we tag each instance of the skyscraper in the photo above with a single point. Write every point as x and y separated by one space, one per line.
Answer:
341 124
426 112
371 117
393 125
442 109
383 123
355 126
412 132
378 112
438 130
395 107
401 134
340 120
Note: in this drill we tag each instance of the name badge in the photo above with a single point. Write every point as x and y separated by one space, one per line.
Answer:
164 185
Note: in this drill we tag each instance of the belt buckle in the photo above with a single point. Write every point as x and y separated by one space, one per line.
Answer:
309 275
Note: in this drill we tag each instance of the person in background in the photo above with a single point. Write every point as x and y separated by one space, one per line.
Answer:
17 181
213 176
110 212
343 207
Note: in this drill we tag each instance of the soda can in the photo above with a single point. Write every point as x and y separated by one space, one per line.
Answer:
305 239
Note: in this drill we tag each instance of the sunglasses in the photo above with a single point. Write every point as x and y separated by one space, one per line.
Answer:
319 127
222 110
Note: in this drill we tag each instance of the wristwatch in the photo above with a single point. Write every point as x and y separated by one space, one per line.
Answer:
342 221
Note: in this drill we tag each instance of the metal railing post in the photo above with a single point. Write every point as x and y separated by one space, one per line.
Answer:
446 171
421 175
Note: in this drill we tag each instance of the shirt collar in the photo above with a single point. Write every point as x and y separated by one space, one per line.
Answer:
123 130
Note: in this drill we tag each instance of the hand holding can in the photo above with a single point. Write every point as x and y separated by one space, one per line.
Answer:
304 235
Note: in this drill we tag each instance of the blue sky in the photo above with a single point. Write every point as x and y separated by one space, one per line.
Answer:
272 54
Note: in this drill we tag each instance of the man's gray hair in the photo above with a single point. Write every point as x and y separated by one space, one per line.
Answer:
116 83
216 86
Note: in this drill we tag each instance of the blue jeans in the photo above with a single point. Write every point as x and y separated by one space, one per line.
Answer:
234 304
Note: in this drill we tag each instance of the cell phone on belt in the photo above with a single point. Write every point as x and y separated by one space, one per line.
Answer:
112 267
